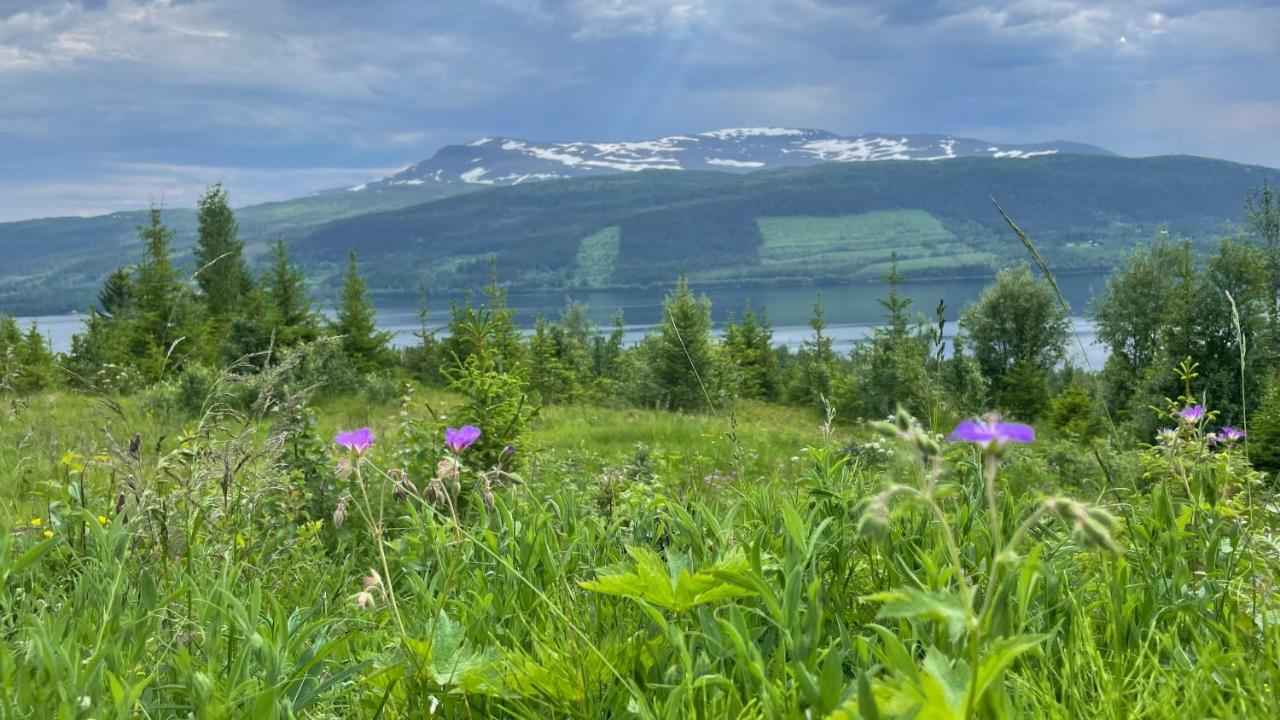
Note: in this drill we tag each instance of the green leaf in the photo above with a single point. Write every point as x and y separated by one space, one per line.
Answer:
1000 654
673 588
913 604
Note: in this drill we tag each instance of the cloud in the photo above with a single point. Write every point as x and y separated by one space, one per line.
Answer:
130 186
273 87
602 19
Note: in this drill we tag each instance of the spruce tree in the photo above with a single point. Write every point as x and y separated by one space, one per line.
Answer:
221 272
162 315
1262 213
289 306
816 364
366 346
685 367
116 292
36 362
890 367
749 348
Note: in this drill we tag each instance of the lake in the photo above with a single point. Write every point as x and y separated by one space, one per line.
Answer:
851 311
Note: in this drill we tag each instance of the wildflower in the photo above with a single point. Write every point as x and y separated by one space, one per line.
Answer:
48 533
1229 434
508 451
357 440
1167 435
365 601
992 434
35 522
1191 414
459 439
373 580
102 519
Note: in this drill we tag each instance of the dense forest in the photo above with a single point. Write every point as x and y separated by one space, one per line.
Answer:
223 503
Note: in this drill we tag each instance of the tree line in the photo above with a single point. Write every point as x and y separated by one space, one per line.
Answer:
1165 305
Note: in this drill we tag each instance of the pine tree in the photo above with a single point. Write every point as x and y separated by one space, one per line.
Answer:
816 364
890 367
749 347
550 375
1262 213
685 366
221 272
116 293
36 362
366 346
289 306
162 317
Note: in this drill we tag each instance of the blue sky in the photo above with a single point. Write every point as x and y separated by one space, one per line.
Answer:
110 103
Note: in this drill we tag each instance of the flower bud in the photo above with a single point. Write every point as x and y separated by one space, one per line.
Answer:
365 600
340 513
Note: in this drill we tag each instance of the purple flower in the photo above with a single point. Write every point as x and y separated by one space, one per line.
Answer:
357 440
508 451
459 439
1191 414
1229 434
992 434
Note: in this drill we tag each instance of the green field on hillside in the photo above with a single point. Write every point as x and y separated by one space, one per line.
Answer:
597 258
861 245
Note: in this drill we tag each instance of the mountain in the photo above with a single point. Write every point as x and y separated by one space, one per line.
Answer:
510 161
826 223
811 220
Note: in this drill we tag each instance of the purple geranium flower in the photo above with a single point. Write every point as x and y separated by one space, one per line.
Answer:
992 434
459 439
1191 413
1229 434
508 451
358 440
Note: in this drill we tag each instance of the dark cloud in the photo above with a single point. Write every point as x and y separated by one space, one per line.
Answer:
111 101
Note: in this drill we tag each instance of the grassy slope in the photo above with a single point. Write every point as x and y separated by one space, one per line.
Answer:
33 443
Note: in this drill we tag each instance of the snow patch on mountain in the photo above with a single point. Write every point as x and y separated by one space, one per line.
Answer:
726 162
512 161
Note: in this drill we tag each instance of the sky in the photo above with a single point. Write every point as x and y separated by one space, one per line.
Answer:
110 104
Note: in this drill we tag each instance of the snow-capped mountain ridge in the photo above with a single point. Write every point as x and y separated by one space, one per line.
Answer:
511 161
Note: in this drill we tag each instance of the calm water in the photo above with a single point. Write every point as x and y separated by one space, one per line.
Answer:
851 310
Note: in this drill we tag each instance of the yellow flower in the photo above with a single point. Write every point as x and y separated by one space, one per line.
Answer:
102 519
35 522
48 533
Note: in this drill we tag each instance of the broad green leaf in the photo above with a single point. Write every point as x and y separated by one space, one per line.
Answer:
671 587
913 604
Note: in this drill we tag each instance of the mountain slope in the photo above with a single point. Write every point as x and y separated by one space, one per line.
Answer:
510 161
825 223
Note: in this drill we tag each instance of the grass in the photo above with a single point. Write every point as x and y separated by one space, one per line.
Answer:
646 565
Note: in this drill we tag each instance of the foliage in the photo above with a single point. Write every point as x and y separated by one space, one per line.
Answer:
1019 333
